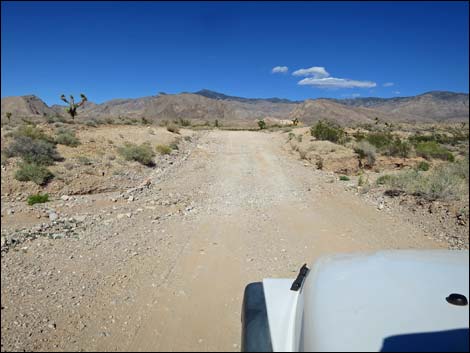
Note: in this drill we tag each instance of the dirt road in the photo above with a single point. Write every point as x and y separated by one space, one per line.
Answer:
255 212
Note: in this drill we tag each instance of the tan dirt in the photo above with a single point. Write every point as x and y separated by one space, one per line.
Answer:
258 213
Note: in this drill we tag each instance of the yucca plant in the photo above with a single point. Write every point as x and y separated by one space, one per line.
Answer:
72 109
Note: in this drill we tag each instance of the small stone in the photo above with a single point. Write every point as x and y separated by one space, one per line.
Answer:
131 198
53 216
65 197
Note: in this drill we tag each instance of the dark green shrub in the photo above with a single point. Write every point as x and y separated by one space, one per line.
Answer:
423 166
184 122
142 154
380 139
344 178
327 130
33 172
432 149
38 198
261 124
33 150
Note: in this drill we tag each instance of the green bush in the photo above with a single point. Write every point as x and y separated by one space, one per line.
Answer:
38 198
290 136
398 148
33 172
380 139
174 146
423 166
67 138
142 154
184 122
432 149
447 181
344 178
261 124
164 149
33 150
32 132
327 130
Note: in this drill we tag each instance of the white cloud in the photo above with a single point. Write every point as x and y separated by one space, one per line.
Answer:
319 77
279 69
333 82
396 92
388 84
315 71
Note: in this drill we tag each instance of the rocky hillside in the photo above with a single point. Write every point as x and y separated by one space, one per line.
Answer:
313 110
207 105
25 106
436 105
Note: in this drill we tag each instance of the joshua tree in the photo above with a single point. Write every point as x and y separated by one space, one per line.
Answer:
8 115
72 109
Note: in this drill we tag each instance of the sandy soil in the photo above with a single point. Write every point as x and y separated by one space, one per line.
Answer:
171 276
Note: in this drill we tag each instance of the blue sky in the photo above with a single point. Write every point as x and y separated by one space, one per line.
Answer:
132 49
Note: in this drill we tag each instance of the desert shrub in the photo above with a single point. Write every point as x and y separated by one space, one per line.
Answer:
359 136
164 149
380 139
84 160
299 138
344 178
173 128
432 149
33 172
303 154
385 179
261 124
184 122
327 130
174 146
91 122
398 148
422 166
32 132
33 150
67 138
456 136
365 150
145 121
290 136
319 163
142 154
38 198
447 181
216 123
187 138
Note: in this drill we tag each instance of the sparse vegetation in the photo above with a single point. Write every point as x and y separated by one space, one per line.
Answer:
142 154
432 149
290 136
261 124
33 150
67 138
447 181
327 130
38 198
33 172
344 178
164 149
365 150
84 160
8 115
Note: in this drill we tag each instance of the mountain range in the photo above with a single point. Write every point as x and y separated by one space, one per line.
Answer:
206 105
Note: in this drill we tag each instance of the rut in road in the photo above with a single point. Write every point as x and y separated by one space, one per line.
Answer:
262 214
